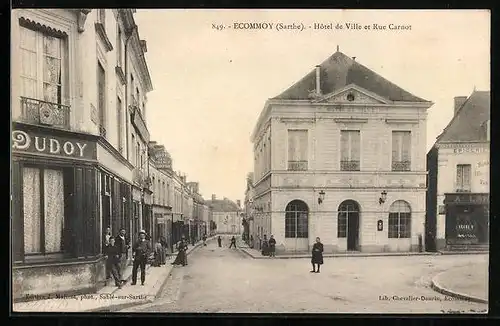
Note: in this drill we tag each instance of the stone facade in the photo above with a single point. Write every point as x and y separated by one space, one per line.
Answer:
324 116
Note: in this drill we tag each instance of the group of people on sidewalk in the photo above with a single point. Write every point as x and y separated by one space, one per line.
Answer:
116 252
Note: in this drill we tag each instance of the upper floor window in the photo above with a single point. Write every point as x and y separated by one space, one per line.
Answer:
101 99
119 50
350 149
101 16
401 151
463 178
42 66
119 129
297 150
488 130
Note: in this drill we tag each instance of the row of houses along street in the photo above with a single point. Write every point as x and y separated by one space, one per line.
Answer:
83 158
341 155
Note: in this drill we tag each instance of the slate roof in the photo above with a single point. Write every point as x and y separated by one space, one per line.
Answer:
223 205
468 124
340 70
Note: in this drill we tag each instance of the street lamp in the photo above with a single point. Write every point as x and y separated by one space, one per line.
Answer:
383 197
321 197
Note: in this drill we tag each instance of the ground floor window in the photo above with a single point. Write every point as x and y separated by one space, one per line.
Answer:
43 205
400 220
296 220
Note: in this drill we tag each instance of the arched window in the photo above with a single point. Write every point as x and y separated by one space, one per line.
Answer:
400 220
296 220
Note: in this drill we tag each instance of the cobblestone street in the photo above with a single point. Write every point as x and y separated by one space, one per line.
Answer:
226 280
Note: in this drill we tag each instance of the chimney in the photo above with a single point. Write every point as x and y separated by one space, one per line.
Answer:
459 101
214 197
318 79
238 202
354 58
338 48
144 46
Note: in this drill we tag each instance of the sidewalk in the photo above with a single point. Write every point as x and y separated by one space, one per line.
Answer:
467 283
256 254
109 297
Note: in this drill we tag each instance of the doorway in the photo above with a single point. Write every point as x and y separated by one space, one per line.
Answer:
348 224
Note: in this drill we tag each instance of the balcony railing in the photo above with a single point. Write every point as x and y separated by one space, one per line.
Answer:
45 113
463 188
401 166
297 165
349 165
102 131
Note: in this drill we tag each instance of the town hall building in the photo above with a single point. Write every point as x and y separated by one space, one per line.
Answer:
341 155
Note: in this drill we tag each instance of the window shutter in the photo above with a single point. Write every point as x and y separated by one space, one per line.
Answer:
396 145
355 146
17 216
344 146
406 146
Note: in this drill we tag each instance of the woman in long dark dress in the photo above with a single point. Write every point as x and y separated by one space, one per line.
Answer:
317 255
181 258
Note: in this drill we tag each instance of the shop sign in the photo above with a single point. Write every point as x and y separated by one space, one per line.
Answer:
477 199
466 232
36 142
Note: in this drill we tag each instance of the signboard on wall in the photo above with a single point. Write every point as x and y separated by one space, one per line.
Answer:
39 141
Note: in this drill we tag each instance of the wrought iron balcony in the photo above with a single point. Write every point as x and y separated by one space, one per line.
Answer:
297 165
401 166
349 165
45 113
102 131
463 188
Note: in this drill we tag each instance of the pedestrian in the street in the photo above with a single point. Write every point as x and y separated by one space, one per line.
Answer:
233 242
181 258
204 240
107 236
251 241
265 246
317 255
164 246
219 241
157 253
113 255
272 246
140 253
123 242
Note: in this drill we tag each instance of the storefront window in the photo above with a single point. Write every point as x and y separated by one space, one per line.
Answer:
43 204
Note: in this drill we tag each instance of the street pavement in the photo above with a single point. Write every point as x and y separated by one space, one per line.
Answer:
229 281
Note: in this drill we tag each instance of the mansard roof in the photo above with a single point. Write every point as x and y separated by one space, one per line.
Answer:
469 122
340 70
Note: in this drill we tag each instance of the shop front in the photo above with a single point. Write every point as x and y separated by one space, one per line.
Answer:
56 225
467 220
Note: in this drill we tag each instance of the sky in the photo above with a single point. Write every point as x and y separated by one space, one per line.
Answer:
211 85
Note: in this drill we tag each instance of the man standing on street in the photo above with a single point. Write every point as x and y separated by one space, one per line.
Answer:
204 240
233 242
123 242
140 253
219 241
272 246
114 254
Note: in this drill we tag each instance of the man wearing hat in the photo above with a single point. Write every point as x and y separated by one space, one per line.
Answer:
140 253
113 255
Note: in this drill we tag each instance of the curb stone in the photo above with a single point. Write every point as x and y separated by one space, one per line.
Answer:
436 286
342 255
121 306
